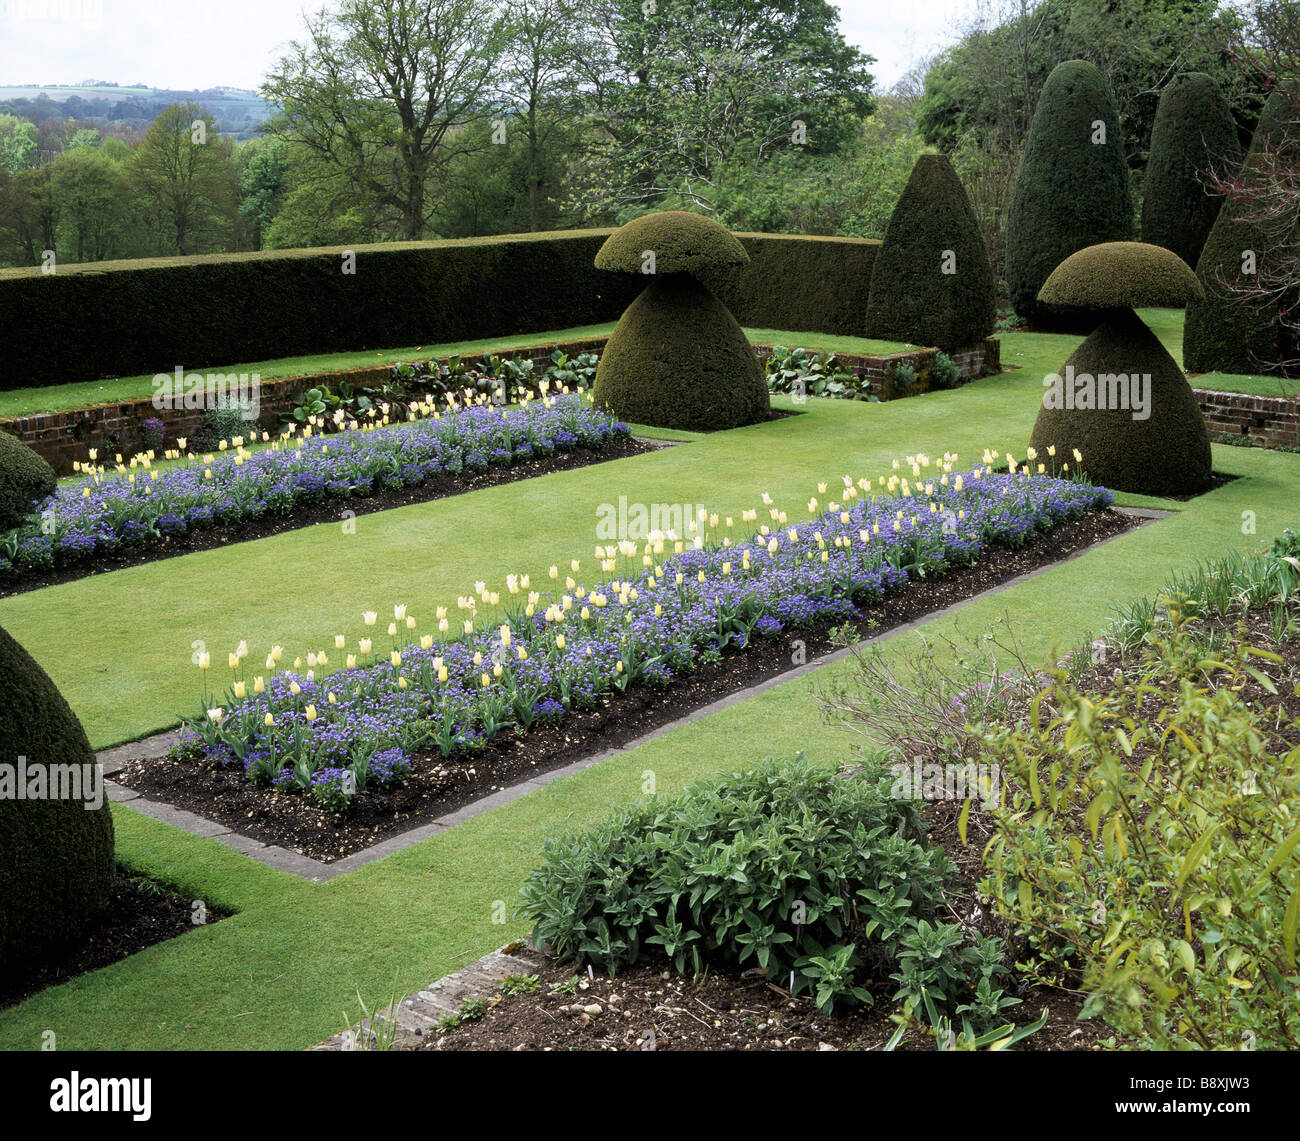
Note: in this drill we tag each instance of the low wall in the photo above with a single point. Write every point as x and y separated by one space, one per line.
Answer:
1269 421
64 438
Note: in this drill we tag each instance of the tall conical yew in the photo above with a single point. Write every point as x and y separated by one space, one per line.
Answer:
1193 134
1225 332
932 283
1072 187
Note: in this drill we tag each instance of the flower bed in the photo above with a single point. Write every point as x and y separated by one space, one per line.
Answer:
106 512
686 601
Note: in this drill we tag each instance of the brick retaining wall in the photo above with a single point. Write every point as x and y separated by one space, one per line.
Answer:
65 437
1271 421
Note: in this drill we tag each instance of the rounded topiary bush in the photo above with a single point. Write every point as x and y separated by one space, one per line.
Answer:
1193 133
1224 331
1120 275
25 480
56 854
1071 189
1149 438
677 357
932 283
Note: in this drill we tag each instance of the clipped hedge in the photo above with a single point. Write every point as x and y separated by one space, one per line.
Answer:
932 283
681 242
25 480
1223 332
1070 192
138 317
56 854
800 283
1194 132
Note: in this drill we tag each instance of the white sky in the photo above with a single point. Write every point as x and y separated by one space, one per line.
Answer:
184 44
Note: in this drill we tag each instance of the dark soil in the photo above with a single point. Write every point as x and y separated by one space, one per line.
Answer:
647 1007
329 510
139 915
441 786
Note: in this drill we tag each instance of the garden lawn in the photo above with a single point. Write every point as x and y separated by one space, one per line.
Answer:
284 972
120 645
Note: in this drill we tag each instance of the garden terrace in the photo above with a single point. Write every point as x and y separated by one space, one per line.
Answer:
120 647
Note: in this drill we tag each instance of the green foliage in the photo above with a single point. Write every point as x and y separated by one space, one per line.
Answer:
227 420
1121 275
680 242
1168 453
1150 839
520 984
1193 133
1071 191
932 283
678 359
938 967
788 867
56 851
806 374
25 481
329 408
944 373
1227 331
901 378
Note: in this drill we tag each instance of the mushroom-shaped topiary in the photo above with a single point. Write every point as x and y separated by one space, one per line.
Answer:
25 480
1121 401
56 842
677 358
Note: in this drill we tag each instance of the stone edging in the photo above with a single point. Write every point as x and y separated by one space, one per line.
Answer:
317 871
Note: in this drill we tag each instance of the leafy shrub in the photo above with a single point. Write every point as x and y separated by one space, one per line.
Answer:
944 373
806 874
1150 839
56 851
1193 132
902 378
328 409
804 373
25 481
932 283
229 419
1070 192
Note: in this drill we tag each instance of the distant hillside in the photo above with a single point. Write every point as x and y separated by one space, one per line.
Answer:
236 111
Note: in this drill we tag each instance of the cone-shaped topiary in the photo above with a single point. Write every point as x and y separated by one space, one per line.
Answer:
1193 133
932 283
56 854
1121 401
1224 331
1071 189
677 358
25 480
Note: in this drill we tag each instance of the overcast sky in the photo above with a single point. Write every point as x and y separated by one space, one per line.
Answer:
233 43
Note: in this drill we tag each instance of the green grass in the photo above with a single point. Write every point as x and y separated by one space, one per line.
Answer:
283 971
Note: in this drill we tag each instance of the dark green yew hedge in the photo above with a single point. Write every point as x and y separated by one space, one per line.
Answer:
127 318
